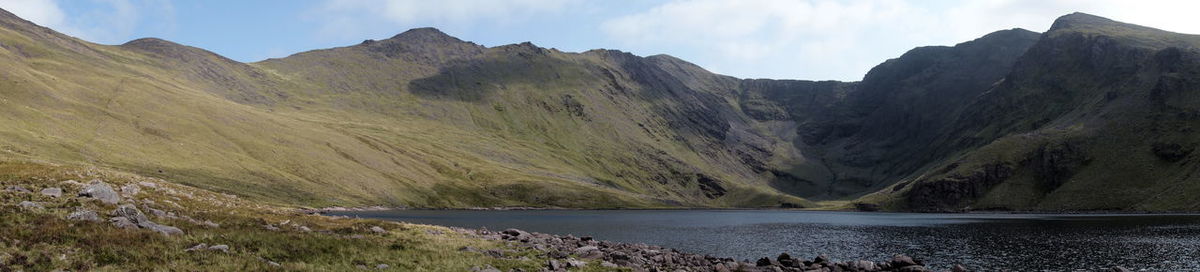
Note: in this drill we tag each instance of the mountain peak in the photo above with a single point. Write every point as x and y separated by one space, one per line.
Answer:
424 35
1124 32
1006 36
173 50
1079 19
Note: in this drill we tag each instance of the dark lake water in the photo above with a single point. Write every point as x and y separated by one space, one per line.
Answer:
984 242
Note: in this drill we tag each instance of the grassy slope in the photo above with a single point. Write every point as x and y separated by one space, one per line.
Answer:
41 240
171 111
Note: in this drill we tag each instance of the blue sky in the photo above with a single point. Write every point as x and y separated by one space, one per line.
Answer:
793 39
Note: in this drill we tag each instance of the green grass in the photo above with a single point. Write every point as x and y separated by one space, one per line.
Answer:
345 127
43 240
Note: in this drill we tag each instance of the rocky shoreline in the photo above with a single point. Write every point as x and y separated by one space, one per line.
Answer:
566 252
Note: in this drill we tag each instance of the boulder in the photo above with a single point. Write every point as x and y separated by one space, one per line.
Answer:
576 263
386 266
159 213
122 222
52 192
83 215
100 191
201 246
130 190
221 248
913 268
377 229
764 261
821 259
618 255
16 188
30 205
494 253
516 234
585 249
902 261
786 260
554 265
862 265
139 219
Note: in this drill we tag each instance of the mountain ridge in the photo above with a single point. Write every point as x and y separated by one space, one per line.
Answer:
425 119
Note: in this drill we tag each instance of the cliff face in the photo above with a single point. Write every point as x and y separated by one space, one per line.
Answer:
1082 122
1012 120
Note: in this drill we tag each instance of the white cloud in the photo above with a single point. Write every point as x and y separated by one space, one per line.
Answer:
41 12
825 39
355 18
105 21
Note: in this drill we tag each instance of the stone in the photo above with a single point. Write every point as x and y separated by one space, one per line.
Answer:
786 260
594 254
272 263
200 246
863 265
52 192
148 184
71 182
16 188
122 222
821 259
139 219
608 264
764 261
576 263
913 268
100 191
585 249
221 248
271 227
83 215
554 265
517 234
157 212
488 268
30 205
130 190
494 253
902 261
382 266
377 229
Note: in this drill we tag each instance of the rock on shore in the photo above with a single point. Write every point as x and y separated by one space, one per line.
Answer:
568 251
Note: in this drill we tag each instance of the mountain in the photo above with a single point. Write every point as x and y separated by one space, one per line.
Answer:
1097 115
1011 120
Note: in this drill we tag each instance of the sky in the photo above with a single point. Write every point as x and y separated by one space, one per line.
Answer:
781 39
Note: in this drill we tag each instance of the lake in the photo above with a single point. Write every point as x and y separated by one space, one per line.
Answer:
983 242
